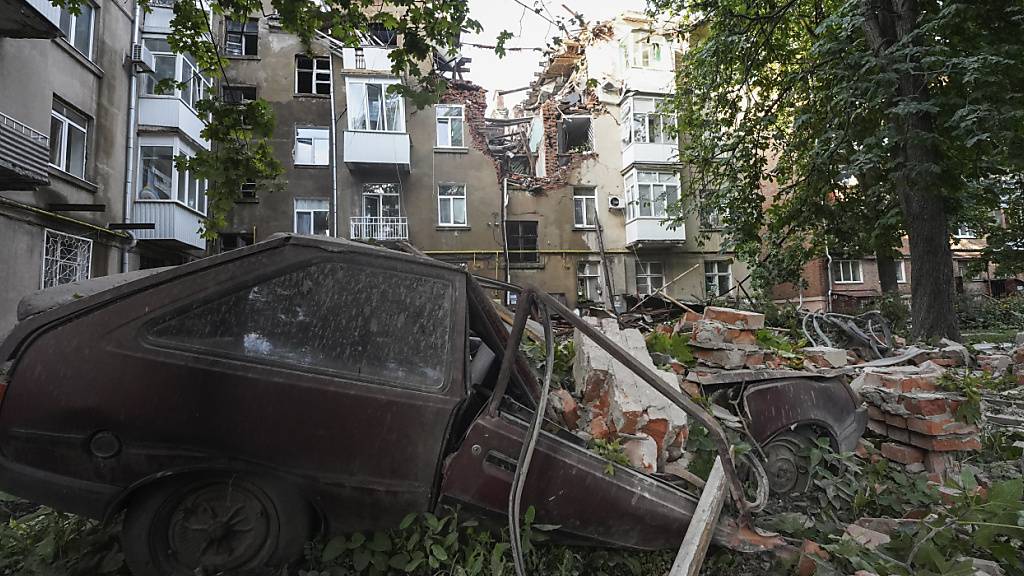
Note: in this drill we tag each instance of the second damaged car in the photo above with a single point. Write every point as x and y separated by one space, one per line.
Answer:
235 407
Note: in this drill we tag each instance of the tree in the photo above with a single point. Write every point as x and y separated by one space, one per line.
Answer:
238 133
871 117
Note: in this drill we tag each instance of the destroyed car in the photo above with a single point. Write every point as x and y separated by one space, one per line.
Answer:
236 406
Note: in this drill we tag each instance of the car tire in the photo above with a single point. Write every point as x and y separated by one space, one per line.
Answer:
788 465
214 523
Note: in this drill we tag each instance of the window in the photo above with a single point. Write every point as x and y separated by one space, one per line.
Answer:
450 119
584 207
372 107
66 259
330 317
901 271
650 277
710 215
641 122
451 205
964 231
312 216
160 179
521 237
238 94
382 201
846 272
575 135
717 278
69 131
647 53
649 194
381 36
242 38
194 85
78 29
312 75
164 68
248 191
588 281
312 146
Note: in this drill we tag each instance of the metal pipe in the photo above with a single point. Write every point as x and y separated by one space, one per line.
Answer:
828 269
334 150
129 161
523 305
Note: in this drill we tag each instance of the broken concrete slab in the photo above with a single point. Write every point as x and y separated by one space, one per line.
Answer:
866 537
825 356
735 318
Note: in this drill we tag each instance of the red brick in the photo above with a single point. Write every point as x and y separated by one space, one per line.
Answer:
691 388
657 429
930 405
599 428
902 453
940 425
875 413
895 420
568 407
950 443
898 434
945 362
737 336
878 427
735 318
754 359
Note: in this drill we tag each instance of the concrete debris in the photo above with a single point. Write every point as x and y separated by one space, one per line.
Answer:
866 537
826 357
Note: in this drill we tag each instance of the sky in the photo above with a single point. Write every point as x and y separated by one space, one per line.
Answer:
531 30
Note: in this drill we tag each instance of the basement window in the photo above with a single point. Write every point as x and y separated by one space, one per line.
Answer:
66 258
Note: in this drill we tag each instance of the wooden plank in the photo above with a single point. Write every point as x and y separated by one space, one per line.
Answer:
702 525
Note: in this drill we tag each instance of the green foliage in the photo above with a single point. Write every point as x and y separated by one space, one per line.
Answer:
675 345
565 354
612 451
969 386
46 543
785 316
894 309
983 312
702 450
783 347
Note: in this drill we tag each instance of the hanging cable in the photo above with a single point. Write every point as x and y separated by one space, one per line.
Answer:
515 494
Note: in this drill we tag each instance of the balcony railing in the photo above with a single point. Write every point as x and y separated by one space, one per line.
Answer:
376 228
24 154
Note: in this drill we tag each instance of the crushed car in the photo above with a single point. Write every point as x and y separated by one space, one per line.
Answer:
234 407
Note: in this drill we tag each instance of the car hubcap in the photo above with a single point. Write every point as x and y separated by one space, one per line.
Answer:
221 526
786 468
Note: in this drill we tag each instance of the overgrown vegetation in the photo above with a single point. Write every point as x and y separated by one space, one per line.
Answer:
984 312
675 345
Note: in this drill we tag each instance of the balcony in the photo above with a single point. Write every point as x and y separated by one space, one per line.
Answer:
176 226
650 153
365 148
24 154
29 19
171 112
652 231
381 229
367 58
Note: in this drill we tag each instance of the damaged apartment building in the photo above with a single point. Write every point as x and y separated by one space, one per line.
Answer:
590 161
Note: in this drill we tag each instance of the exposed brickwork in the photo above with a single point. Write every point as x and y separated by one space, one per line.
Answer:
902 453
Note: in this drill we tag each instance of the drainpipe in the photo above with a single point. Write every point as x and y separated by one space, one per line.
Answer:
129 162
828 268
334 150
504 236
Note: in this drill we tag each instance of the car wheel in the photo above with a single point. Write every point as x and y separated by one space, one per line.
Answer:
788 465
211 524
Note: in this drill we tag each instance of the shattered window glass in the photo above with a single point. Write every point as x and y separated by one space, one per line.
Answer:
355 320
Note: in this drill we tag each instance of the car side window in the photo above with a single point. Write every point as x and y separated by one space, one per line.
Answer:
341 317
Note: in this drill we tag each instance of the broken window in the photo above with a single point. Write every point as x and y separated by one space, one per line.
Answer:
588 281
450 119
312 75
313 216
373 107
312 146
521 237
241 38
846 272
717 277
574 135
584 203
248 190
650 277
331 317
379 35
238 94
66 258
642 122
165 64
451 205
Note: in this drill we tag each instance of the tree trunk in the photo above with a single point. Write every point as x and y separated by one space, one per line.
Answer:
887 22
887 273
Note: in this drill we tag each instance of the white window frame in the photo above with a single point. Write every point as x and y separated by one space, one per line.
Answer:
716 275
66 125
377 191
644 277
657 207
72 31
578 199
644 45
185 70
964 232
448 132
194 190
628 119
83 261
315 81
901 271
323 134
244 42
849 272
384 83
452 200
312 212
584 276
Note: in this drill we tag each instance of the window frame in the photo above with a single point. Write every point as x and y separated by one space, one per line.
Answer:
239 88
837 265
384 84
632 184
517 254
642 271
312 215
312 158
73 28
64 117
448 120
583 278
717 275
628 118
901 271
244 37
578 198
199 86
452 200
47 232
198 187
380 191
314 71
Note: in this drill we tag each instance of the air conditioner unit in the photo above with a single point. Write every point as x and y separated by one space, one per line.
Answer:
616 203
142 58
